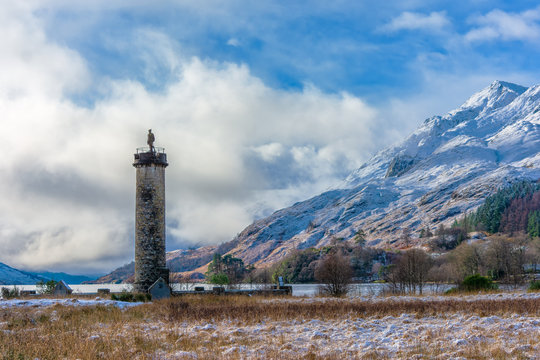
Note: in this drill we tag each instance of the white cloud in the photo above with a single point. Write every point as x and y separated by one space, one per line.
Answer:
417 21
26 54
236 149
498 24
233 42
269 152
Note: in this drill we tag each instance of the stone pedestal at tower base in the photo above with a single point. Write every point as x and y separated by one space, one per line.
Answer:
160 290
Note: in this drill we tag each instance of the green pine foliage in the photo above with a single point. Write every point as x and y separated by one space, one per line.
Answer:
8 293
533 228
299 267
534 286
219 279
46 288
226 267
488 216
131 297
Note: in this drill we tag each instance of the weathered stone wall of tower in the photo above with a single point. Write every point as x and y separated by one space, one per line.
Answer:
150 221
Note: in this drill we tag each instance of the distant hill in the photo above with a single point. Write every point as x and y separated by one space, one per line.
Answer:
68 278
124 274
192 262
12 276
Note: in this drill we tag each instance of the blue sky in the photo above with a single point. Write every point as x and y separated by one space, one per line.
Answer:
366 48
259 105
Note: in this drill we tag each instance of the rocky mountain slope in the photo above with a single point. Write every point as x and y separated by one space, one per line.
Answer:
442 170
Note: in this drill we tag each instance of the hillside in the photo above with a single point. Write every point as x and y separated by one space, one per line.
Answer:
448 166
12 276
57 276
178 261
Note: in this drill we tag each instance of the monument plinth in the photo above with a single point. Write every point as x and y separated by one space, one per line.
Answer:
150 216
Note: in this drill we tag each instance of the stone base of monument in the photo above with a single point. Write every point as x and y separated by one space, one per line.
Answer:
160 290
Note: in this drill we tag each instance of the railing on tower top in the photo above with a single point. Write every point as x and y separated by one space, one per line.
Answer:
146 149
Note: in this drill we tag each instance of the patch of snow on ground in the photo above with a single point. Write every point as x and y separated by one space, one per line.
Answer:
388 337
65 302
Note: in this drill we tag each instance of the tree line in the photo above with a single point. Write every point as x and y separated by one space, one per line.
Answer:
504 259
512 209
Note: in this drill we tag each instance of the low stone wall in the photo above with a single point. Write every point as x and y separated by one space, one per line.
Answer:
284 290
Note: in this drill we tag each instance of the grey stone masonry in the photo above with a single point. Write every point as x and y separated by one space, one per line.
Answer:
150 219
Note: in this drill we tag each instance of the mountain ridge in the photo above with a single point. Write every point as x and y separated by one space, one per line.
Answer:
12 276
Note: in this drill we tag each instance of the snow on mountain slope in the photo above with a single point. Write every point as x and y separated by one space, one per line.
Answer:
11 276
443 169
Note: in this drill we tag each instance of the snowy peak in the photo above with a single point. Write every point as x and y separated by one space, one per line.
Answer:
527 105
466 130
495 96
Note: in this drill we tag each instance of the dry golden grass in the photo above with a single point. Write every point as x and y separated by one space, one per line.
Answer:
161 329
253 310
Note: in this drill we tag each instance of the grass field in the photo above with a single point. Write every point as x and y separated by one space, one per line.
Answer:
213 327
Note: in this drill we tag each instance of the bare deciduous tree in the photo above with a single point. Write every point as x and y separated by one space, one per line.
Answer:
410 271
335 274
406 237
468 259
533 254
506 259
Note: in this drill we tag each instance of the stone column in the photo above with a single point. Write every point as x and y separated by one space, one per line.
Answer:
150 219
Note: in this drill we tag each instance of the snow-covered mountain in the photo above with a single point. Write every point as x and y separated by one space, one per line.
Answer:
12 276
446 167
443 169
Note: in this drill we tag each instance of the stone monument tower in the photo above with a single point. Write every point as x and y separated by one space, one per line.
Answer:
150 216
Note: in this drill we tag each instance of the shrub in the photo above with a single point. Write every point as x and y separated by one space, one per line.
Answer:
335 274
534 285
219 279
46 288
140 297
451 291
131 297
10 293
477 282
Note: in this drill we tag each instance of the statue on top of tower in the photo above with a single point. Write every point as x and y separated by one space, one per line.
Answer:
150 140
